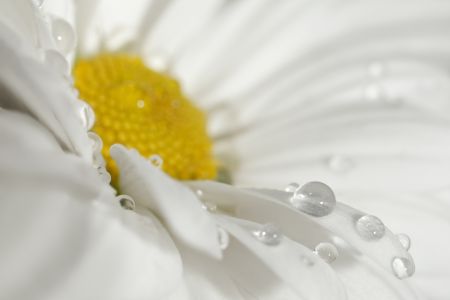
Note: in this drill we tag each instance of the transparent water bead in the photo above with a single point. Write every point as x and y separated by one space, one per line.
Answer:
156 160
314 198
126 202
402 267
292 187
340 163
209 206
57 62
269 234
370 227
64 35
87 116
326 251
223 237
404 240
96 141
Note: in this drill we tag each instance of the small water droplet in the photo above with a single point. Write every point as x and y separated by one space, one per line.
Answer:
57 62
199 193
375 69
292 187
87 116
326 251
96 141
223 237
404 240
140 103
307 261
104 174
370 227
39 3
402 267
340 163
126 202
314 198
156 160
209 206
269 234
64 35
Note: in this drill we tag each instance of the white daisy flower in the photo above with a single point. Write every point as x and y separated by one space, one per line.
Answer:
346 90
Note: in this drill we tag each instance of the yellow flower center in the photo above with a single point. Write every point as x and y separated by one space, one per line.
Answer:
142 109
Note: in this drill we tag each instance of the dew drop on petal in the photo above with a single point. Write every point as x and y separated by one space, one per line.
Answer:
402 267
209 206
370 227
64 35
223 237
57 62
97 143
156 160
199 193
292 187
340 163
404 240
269 234
87 116
326 251
126 202
314 198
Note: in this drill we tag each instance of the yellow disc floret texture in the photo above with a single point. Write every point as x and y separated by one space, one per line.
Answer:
146 110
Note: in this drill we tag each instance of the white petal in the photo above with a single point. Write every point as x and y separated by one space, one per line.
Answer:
29 86
175 204
63 234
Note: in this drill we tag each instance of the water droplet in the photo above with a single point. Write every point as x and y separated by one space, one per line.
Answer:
340 163
87 116
314 198
402 267
374 92
307 261
326 251
140 103
375 69
57 62
126 202
64 35
96 141
269 234
292 187
370 227
104 174
39 3
156 160
209 206
223 237
404 240
199 193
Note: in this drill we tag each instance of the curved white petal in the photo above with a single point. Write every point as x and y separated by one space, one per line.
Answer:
64 235
26 85
175 204
368 258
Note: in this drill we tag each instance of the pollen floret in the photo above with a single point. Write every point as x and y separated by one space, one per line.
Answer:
142 109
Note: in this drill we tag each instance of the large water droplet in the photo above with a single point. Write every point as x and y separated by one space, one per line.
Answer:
269 234
292 187
223 237
326 251
57 62
87 116
370 227
404 240
403 267
64 35
126 202
314 198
